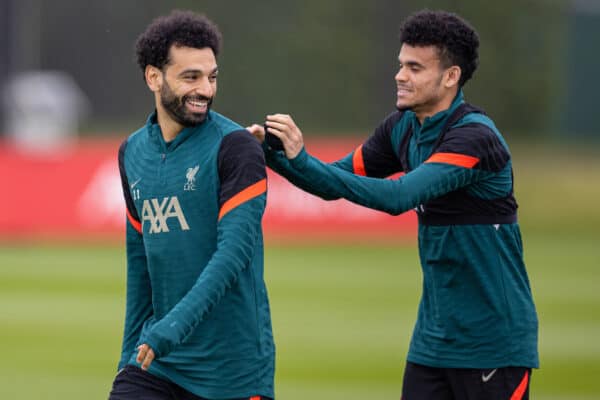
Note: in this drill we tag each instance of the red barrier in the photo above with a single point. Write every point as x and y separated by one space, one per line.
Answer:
78 195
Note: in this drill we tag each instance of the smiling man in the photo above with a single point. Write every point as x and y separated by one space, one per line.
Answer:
197 322
476 332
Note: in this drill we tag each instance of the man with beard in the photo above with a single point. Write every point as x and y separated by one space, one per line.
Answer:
197 322
476 333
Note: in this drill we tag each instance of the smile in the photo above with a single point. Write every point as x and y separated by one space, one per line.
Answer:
197 105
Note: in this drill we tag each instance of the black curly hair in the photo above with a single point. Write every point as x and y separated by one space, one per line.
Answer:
455 38
180 28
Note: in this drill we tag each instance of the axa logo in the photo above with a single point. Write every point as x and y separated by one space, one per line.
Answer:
190 175
157 214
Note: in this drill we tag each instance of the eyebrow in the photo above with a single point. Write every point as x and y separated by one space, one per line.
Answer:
412 64
198 71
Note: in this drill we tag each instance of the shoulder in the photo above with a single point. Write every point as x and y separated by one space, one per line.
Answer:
240 144
241 160
478 140
134 138
391 121
223 124
393 127
476 126
242 140
471 132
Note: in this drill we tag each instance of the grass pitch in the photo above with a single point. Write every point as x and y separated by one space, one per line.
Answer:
342 314
342 318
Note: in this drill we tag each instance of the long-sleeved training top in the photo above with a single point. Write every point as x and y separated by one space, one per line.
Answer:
476 309
195 288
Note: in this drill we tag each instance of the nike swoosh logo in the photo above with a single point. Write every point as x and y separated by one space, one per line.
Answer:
487 377
135 183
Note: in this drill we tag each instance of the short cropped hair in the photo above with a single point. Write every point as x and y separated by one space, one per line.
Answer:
180 28
455 38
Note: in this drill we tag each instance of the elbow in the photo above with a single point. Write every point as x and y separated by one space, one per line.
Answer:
395 211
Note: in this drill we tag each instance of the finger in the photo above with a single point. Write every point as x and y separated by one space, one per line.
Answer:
258 132
148 360
281 118
276 125
142 351
280 133
254 127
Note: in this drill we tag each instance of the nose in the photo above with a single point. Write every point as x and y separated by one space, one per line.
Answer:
204 87
400 75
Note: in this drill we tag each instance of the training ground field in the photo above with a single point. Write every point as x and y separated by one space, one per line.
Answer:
342 318
342 314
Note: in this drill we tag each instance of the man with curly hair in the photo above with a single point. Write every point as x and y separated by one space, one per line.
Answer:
197 323
476 331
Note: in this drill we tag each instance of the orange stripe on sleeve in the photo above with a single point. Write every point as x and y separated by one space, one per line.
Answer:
459 160
249 193
358 164
255 398
135 223
518 394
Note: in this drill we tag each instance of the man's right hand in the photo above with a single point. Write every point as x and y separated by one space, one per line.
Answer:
284 127
145 356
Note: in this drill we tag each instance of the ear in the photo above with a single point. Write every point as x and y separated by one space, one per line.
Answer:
453 75
153 77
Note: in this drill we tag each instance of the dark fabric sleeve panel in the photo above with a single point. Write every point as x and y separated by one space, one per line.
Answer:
241 163
132 212
476 140
378 153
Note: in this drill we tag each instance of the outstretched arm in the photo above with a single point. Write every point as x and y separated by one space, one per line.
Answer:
278 162
375 157
442 173
430 180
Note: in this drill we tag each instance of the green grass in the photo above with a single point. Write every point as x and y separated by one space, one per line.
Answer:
342 318
342 314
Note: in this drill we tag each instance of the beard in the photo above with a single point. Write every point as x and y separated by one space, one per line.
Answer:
175 106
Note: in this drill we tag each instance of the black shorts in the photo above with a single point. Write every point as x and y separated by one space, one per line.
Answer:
427 383
133 383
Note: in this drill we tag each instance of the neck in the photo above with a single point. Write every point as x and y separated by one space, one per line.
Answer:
169 128
428 110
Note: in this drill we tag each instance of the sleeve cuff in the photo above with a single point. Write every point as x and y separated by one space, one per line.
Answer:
268 149
155 344
300 161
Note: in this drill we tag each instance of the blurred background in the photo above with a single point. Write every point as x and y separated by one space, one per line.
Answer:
344 282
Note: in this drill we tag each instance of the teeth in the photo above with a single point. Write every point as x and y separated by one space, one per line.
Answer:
197 103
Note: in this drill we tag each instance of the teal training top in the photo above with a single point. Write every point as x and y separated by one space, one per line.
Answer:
195 288
476 309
